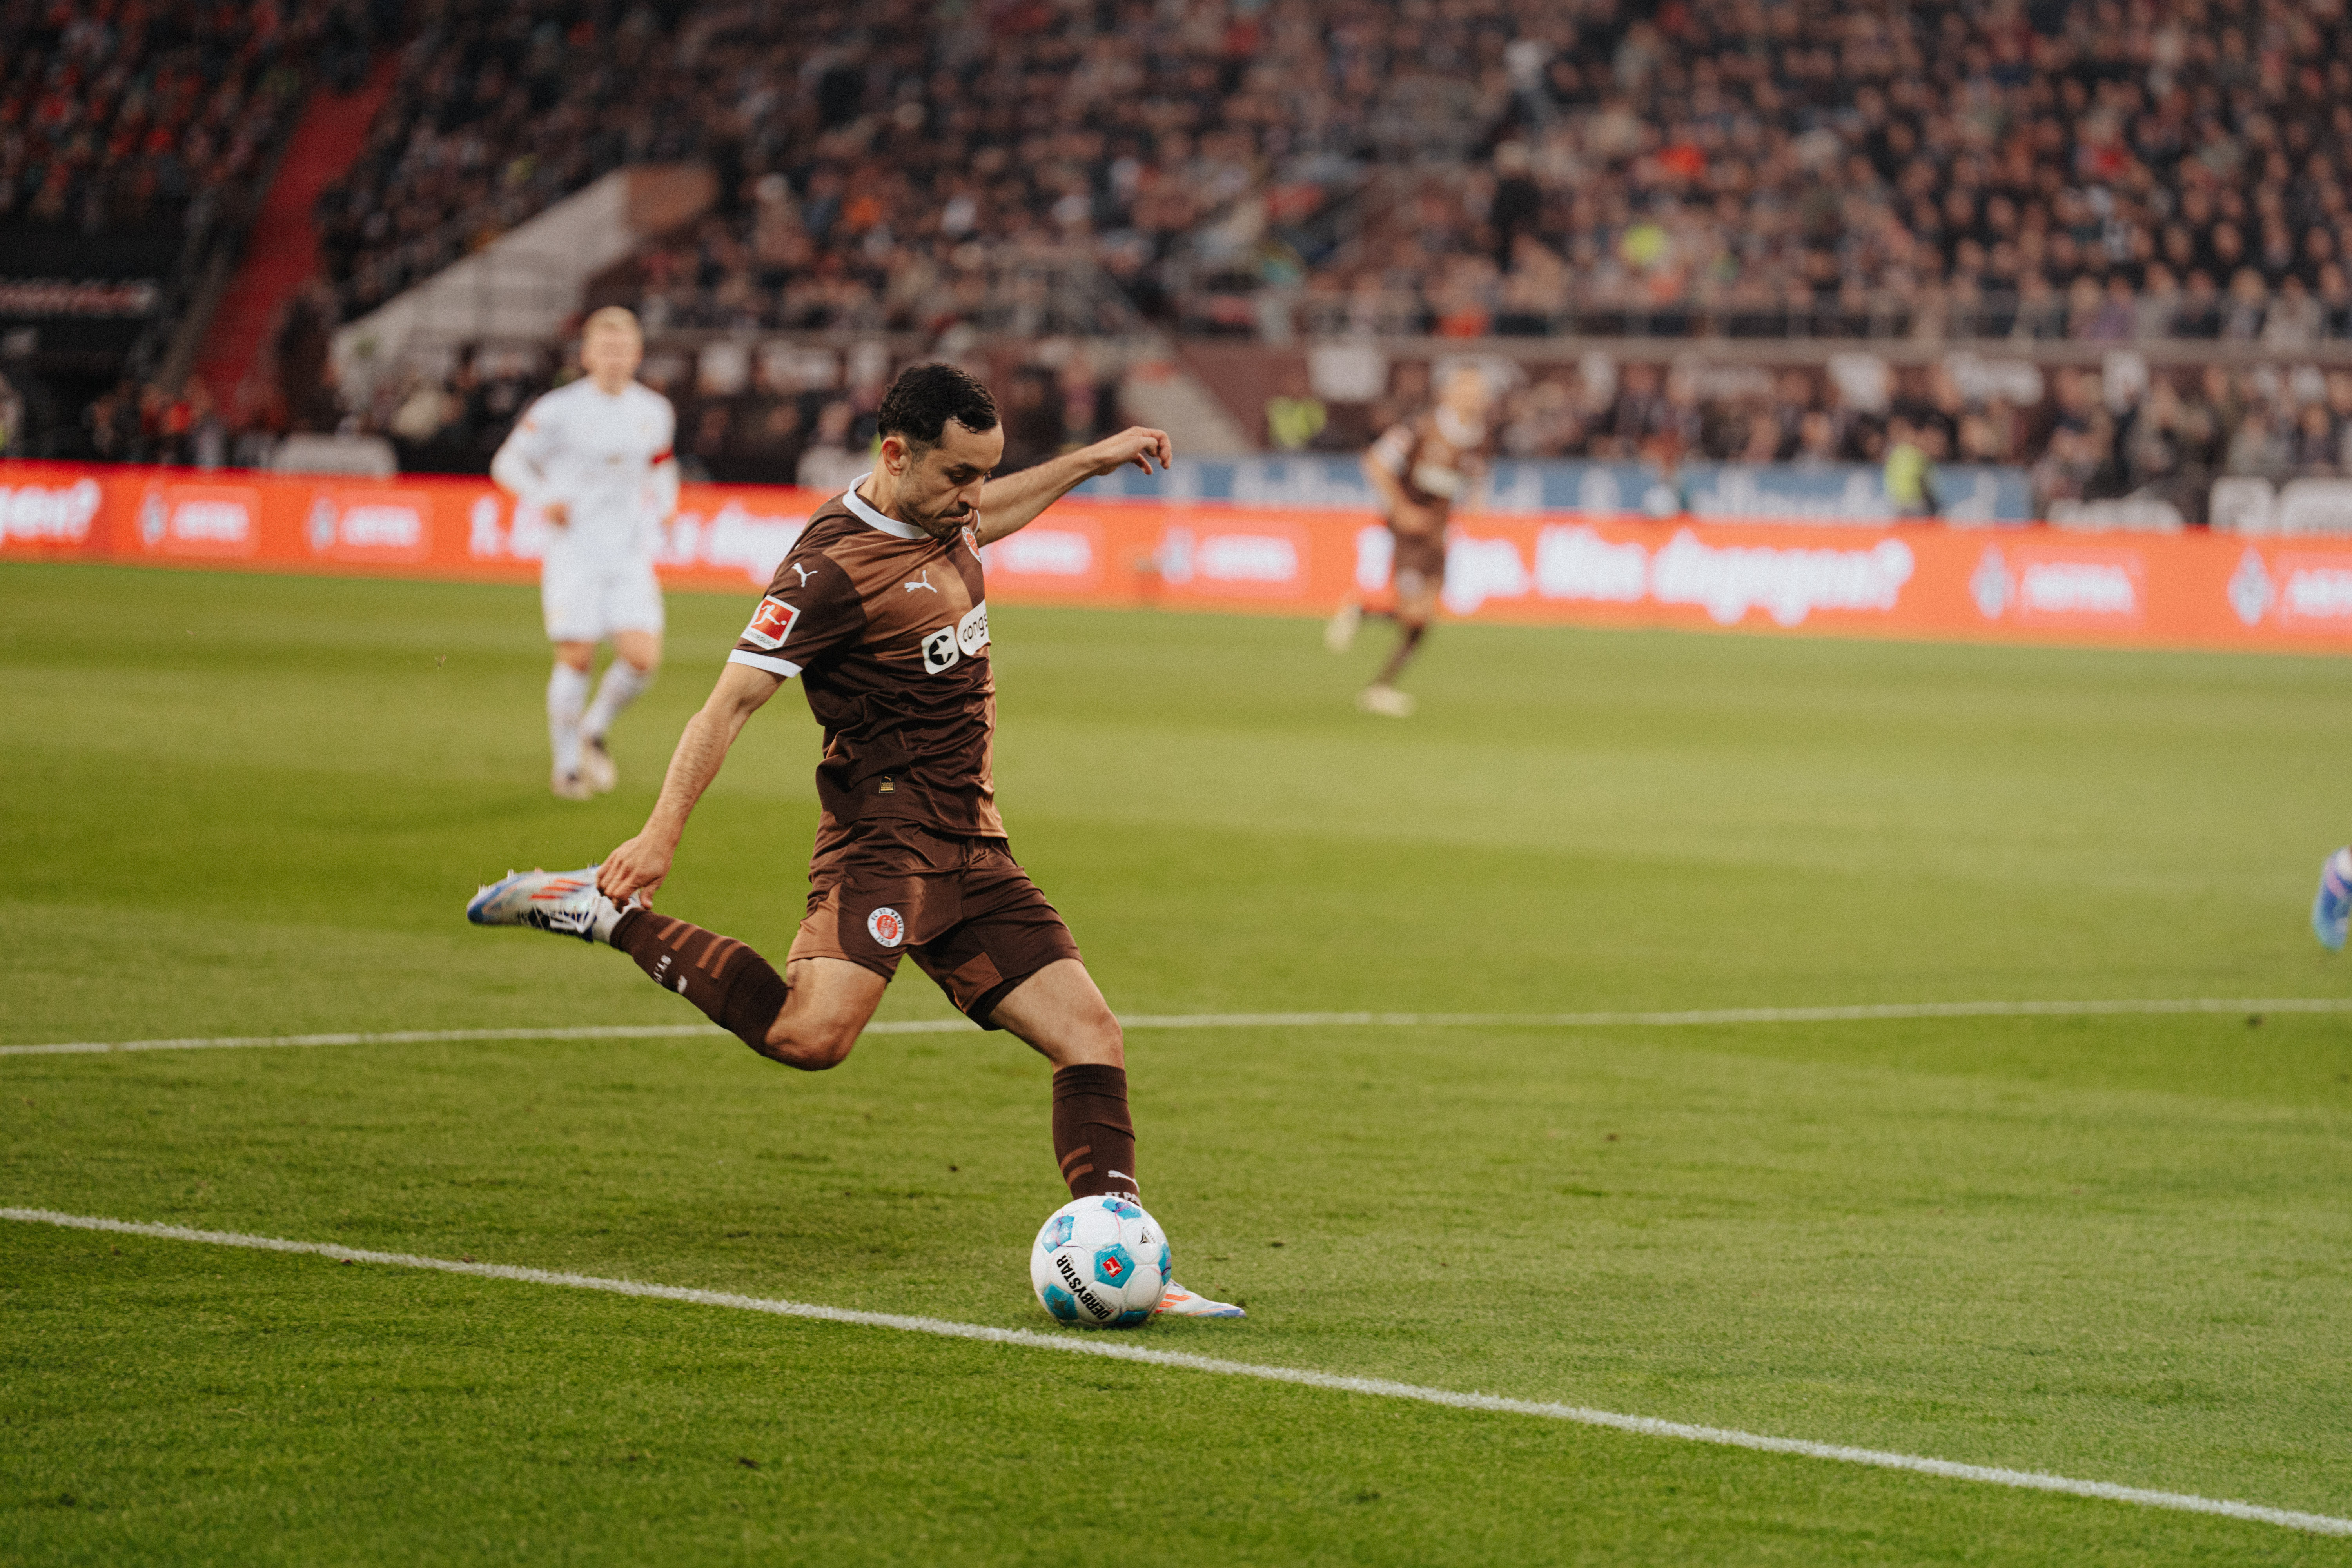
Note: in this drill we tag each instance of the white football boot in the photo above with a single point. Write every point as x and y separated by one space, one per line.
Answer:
563 902
596 769
1385 700
1179 1302
569 786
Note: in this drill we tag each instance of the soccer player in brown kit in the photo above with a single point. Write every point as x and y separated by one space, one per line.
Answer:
1419 469
881 612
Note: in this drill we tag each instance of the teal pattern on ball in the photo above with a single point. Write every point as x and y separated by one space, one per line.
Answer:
1061 1303
1113 1266
1167 1263
1132 1317
1057 1231
1122 1208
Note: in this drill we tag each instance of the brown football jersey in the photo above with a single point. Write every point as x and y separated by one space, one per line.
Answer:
888 629
1435 456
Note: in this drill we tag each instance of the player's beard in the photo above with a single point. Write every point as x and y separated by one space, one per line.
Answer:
948 525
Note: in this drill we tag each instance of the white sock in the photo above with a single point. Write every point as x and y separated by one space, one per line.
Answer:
2341 863
567 694
608 915
622 685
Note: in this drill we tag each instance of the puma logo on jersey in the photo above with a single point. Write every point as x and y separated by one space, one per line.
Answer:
802 569
923 582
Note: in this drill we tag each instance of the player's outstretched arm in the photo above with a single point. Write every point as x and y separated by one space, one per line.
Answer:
519 468
639 865
1394 502
1012 502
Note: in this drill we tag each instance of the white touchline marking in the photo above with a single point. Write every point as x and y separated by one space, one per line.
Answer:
1644 1426
1834 1015
435 1036
1863 1013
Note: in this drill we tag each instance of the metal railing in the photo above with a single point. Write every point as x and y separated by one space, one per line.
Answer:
1033 291
2271 328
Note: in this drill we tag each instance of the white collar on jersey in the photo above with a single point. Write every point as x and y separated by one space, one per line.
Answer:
872 519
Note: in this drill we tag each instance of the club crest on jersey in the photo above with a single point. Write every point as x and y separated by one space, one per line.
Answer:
885 926
772 623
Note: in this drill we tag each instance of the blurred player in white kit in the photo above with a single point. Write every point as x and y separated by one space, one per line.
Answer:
594 457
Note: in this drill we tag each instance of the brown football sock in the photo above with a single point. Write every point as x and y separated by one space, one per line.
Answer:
1092 1135
741 990
1408 643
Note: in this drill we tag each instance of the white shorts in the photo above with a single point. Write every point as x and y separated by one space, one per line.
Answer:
588 600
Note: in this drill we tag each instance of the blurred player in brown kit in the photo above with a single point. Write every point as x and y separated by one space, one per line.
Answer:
881 612
1419 468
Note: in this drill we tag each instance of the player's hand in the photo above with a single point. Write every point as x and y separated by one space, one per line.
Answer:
556 513
1413 518
635 870
1138 445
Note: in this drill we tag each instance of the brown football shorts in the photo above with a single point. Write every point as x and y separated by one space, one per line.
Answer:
963 908
1418 564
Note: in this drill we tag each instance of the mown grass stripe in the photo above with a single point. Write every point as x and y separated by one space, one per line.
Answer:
1116 1349
1863 1013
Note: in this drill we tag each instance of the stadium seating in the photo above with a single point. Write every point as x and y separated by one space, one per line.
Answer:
121 116
136 137
2067 176
2079 171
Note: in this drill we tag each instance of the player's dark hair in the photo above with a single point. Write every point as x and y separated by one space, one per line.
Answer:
925 397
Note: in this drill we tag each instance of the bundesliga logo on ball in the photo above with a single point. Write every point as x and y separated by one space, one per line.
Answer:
1101 1262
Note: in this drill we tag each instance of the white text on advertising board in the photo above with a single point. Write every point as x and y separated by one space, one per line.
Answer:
206 523
1577 562
1265 559
40 514
1037 552
2061 585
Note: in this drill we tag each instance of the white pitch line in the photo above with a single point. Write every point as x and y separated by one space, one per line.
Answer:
1116 1350
1830 1014
1864 1012
435 1036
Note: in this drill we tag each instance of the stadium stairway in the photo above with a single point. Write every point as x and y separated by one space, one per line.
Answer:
281 254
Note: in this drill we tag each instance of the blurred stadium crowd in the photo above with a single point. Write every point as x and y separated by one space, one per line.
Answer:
2108 172
2104 171
794 418
1401 166
798 417
874 159
127 113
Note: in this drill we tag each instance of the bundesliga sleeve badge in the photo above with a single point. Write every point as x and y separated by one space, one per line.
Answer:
772 623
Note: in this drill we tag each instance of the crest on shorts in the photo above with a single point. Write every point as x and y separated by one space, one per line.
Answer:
885 926
772 623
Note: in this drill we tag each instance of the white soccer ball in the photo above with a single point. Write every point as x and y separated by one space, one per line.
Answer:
1100 1263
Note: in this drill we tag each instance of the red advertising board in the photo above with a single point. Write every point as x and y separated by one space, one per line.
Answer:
2036 584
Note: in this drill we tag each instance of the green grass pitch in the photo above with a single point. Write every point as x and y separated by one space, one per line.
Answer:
2113 1248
